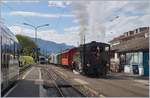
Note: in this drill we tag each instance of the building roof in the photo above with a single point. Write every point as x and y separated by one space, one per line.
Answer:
68 50
129 37
117 38
132 45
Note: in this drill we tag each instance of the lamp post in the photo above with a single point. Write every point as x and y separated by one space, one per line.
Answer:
35 29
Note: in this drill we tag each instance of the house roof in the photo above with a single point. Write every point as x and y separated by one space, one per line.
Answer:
132 45
117 38
123 37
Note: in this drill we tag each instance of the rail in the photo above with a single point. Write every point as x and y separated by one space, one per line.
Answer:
56 85
54 76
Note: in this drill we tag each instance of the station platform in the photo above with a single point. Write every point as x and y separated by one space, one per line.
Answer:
27 86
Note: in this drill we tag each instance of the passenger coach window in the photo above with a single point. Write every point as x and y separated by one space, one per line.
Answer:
7 52
12 48
2 61
4 51
15 50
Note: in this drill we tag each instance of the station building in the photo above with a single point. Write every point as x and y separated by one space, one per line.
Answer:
130 52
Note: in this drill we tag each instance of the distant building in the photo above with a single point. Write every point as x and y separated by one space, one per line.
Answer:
130 52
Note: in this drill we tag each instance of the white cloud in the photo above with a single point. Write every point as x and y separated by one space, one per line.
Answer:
60 4
131 15
72 29
20 1
124 24
76 21
37 14
115 16
70 38
16 29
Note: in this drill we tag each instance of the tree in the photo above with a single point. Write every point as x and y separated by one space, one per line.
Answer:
27 45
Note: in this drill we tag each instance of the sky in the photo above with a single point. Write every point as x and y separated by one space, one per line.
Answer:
99 20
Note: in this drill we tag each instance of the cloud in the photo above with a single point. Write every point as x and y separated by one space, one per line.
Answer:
60 4
16 29
76 21
72 29
37 14
124 24
20 1
70 38
131 15
115 16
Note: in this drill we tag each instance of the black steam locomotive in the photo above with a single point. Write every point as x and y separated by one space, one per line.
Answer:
93 58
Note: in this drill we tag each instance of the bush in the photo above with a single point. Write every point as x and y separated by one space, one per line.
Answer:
26 60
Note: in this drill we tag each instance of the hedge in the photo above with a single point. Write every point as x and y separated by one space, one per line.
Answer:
26 60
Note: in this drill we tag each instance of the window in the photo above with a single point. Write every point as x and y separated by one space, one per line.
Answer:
136 30
143 29
106 48
112 54
134 58
131 32
12 47
15 50
129 58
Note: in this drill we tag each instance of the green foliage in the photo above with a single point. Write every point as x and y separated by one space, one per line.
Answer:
27 45
26 60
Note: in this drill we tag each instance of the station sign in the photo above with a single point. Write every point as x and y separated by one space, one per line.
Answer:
36 49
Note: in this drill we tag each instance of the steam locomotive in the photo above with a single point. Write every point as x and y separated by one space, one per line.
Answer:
94 58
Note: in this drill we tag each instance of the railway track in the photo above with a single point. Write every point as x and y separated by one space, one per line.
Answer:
63 88
52 77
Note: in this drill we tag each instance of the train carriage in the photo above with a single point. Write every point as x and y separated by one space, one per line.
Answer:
51 58
67 57
58 58
55 58
9 58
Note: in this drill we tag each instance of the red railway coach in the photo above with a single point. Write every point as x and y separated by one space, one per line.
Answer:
67 56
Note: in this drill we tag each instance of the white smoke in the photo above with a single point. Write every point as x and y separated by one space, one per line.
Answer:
90 18
80 8
96 21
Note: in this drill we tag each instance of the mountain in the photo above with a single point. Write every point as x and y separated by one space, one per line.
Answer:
50 46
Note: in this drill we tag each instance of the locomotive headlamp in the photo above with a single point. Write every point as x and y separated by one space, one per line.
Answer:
88 65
